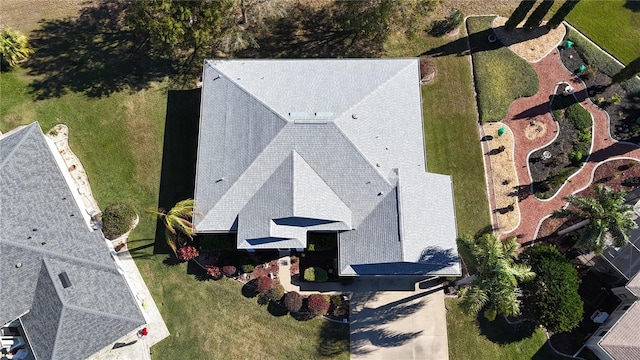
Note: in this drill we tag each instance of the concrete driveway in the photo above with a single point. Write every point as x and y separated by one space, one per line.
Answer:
399 318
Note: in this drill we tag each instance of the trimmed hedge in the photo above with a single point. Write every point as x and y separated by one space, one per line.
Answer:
315 274
292 301
579 116
117 219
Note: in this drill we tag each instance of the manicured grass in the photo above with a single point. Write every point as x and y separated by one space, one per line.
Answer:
450 125
611 24
500 75
476 338
119 140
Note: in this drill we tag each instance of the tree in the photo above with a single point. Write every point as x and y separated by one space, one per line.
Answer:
519 14
496 287
180 28
551 299
610 218
627 72
14 47
177 221
562 13
538 14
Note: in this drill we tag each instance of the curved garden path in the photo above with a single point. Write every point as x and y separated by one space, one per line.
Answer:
551 71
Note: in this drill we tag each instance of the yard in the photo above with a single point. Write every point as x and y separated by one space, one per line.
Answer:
616 27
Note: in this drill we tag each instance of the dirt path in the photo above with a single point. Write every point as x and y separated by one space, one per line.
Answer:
551 71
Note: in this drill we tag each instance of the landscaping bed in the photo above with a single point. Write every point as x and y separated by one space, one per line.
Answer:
553 164
620 101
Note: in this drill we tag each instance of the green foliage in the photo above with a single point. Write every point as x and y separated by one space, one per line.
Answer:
247 268
501 76
552 298
315 274
616 99
497 287
559 16
276 292
14 47
579 116
609 216
452 21
575 156
318 304
117 219
538 14
519 14
556 179
177 222
593 55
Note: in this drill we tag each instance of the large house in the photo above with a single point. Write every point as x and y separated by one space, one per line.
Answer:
288 147
57 275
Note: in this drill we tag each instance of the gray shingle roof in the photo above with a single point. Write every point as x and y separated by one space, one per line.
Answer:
325 144
621 341
42 224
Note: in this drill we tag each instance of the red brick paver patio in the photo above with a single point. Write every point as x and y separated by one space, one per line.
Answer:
551 71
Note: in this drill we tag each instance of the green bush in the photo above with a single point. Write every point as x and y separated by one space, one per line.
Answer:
575 156
276 293
452 21
315 274
247 268
117 219
579 116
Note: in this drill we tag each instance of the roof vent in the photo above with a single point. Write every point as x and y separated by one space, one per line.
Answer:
18 265
64 198
219 180
298 115
380 193
64 279
323 114
34 229
354 116
378 164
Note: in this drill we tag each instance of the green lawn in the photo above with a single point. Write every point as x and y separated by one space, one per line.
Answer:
450 125
610 24
476 338
501 76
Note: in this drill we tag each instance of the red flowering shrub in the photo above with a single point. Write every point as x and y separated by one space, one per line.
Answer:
318 304
264 284
187 253
229 270
214 272
292 301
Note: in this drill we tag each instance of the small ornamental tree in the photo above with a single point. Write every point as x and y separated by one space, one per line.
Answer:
276 293
188 252
538 14
14 48
519 14
551 298
214 271
562 13
292 301
264 284
318 304
229 270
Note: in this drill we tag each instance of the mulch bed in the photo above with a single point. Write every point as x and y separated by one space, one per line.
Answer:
623 126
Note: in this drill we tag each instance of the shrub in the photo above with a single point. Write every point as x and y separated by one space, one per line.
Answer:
590 72
247 268
117 219
616 99
579 116
276 292
229 270
214 272
632 163
188 252
292 301
427 69
315 274
575 156
263 299
452 21
264 284
336 300
318 304
14 48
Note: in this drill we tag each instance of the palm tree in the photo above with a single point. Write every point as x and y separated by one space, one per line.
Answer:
177 221
609 217
496 286
14 47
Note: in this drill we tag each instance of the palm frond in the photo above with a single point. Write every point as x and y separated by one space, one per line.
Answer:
474 300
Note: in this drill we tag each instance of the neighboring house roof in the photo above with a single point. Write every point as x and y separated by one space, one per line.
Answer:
621 341
42 235
290 146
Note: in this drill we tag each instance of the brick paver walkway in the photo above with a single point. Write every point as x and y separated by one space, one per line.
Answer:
551 72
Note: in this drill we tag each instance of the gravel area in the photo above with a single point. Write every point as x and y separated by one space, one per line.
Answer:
530 45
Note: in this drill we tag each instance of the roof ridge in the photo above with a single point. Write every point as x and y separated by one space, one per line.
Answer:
100 313
63 257
27 129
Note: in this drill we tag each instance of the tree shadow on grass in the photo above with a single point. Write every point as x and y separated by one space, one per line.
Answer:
311 32
633 5
276 309
178 173
249 289
333 339
501 332
92 54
